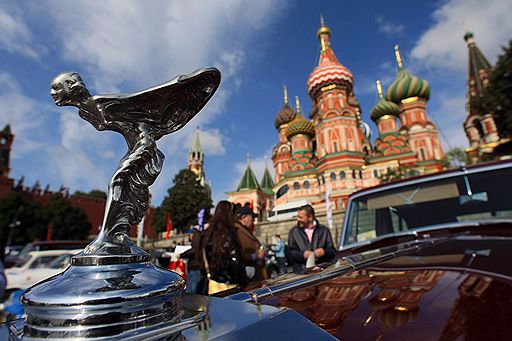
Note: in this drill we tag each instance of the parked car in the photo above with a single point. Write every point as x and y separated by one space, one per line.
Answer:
427 258
36 266
48 245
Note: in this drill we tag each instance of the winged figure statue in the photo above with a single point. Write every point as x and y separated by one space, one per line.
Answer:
142 118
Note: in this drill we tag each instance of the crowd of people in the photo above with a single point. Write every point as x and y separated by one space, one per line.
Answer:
226 253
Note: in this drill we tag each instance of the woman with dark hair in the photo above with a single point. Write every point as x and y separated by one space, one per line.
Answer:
221 250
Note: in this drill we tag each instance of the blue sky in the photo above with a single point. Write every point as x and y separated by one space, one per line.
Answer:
126 46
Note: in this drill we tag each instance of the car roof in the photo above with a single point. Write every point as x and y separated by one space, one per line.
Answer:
54 252
438 175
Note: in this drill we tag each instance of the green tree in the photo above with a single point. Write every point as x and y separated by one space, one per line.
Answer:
183 201
397 174
19 218
68 222
95 193
497 96
454 158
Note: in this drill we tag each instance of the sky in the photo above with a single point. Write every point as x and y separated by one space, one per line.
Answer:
259 46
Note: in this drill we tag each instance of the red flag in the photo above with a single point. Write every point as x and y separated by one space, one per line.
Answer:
169 225
49 232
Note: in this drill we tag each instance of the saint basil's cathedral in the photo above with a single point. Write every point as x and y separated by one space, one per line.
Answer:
330 151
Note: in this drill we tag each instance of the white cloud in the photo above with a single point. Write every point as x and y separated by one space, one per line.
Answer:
16 37
135 41
24 114
443 45
389 28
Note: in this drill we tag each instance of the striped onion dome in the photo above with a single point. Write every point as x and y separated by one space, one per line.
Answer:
300 126
406 86
329 70
384 107
285 116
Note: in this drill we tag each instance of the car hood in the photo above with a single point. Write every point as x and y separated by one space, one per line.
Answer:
440 289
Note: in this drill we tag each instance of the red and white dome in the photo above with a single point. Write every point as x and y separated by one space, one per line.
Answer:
329 70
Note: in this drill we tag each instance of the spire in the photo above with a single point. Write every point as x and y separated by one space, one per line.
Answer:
379 88
398 57
285 94
266 182
248 180
197 145
478 67
324 35
297 105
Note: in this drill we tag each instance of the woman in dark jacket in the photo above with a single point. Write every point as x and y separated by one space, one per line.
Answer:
221 247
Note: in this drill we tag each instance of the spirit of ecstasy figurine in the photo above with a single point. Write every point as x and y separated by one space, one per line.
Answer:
142 118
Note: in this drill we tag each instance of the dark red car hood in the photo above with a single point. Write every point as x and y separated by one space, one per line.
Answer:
458 287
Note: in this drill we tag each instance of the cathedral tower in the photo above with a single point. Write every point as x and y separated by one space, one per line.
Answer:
335 113
196 159
6 139
281 154
411 93
385 114
479 126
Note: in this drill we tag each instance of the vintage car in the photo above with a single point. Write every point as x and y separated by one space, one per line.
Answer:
427 258
36 266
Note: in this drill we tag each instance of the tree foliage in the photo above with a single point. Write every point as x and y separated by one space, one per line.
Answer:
454 158
95 193
497 96
184 199
68 222
397 174
21 218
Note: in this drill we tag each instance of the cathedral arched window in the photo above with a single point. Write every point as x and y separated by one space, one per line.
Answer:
333 176
343 175
353 173
360 174
296 186
479 128
282 191
306 184
375 173
422 152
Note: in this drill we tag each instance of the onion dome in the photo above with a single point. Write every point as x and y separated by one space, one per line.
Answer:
383 107
329 70
286 114
299 125
406 85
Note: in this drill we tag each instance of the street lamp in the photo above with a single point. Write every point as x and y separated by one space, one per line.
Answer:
15 223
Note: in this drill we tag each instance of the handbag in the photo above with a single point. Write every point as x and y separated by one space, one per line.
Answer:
214 286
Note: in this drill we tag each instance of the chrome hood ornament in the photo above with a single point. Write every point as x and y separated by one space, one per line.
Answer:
112 290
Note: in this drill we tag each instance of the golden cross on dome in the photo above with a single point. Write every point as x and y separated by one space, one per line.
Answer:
379 88
285 91
297 104
398 57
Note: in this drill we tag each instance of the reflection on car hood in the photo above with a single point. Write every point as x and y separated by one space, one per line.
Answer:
440 289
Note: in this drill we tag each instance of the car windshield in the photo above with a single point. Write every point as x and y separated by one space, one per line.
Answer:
60 262
468 197
42 261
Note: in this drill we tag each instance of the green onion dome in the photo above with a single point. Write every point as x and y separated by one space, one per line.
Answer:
300 126
285 116
406 86
384 107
